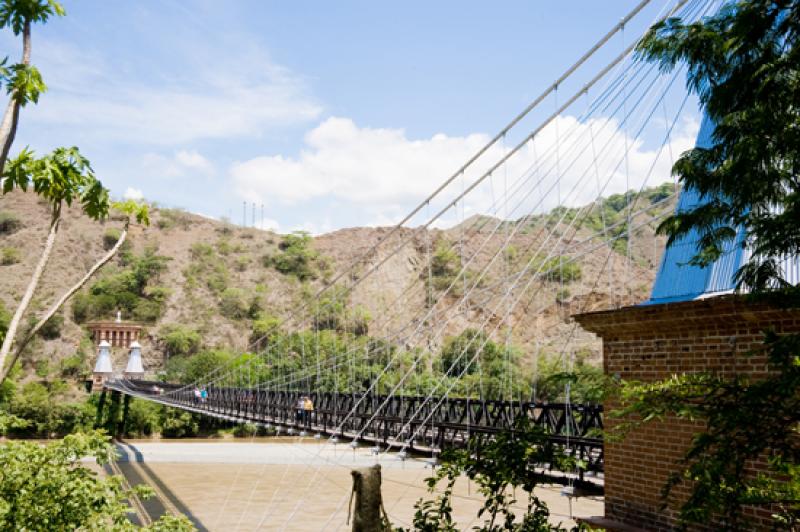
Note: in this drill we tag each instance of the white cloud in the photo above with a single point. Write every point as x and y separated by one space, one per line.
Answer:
179 164
217 98
133 194
381 173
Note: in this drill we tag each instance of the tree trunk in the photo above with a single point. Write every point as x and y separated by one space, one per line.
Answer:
26 299
21 345
8 127
368 512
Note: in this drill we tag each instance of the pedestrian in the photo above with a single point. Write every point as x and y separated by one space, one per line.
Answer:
197 394
203 395
300 410
308 408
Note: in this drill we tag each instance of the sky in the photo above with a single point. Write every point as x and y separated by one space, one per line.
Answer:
329 114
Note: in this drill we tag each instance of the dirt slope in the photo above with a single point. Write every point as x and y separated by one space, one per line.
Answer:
394 295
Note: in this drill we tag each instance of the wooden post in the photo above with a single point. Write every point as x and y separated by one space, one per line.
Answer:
368 512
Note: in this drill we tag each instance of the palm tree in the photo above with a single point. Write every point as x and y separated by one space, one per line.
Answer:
23 81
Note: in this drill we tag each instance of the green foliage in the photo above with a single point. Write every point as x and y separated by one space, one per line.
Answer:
5 318
587 382
170 218
208 266
508 462
128 289
52 327
16 14
744 420
46 408
445 271
468 352
137 210
9 255
557 269
233 305
45 487
245 430
180 340
145 418
242 263
110 238
9 223
63 176
179 424
265 327
332 312
24 83
743 64
296 257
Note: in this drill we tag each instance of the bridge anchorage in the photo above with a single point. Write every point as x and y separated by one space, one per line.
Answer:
386 421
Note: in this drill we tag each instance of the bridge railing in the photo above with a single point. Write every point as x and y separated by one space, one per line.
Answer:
388 420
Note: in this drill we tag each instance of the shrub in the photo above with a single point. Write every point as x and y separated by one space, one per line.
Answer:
245 430
73 366
9 223
179 424
242 263
5 318
463 354
130 290
110 238
296 257
169 218
52 327
148 311
233 305
144 418
265 327
179 340
224 246
200 251
10 256
558 269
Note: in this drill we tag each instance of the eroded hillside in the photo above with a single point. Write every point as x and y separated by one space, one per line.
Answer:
213 284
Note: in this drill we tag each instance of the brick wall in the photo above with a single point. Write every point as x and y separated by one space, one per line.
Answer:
649 343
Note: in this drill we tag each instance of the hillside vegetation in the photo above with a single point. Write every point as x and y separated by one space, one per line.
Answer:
203 286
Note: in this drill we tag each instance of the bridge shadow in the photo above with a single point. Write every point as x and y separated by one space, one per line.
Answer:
154 506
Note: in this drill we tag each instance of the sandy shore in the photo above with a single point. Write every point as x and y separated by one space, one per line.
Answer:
294 485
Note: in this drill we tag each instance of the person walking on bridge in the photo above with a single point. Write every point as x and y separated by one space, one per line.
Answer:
308 408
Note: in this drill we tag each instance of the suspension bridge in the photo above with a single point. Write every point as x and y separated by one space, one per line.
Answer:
512 220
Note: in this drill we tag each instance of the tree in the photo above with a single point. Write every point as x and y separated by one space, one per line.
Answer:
509 461
63 176
45 487
23 81
744 64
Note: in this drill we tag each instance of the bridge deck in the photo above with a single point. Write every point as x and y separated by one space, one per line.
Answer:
410 423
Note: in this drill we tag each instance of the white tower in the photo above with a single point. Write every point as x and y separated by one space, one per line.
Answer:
102 368
135 370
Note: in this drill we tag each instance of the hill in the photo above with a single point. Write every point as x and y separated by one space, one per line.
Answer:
196 282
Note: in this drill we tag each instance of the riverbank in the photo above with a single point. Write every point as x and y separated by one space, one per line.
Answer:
293 484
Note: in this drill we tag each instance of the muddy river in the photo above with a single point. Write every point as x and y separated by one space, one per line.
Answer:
293 484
